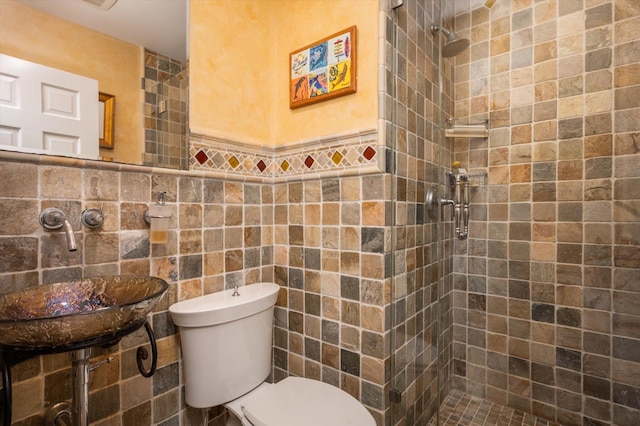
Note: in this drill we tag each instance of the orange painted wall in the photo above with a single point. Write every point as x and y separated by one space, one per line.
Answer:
239 53
230 70
30 34
300 23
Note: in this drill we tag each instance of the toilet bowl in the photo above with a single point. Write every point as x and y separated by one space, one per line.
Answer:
296 401
226 343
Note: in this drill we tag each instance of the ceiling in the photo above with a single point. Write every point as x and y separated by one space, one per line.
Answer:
158 25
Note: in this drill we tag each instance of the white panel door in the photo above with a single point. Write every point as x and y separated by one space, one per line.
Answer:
47 111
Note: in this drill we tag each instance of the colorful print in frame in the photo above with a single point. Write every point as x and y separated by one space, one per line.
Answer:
323 70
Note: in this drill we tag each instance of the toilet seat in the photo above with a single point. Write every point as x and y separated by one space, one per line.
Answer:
296 401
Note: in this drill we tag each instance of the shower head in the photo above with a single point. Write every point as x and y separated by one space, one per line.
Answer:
452 45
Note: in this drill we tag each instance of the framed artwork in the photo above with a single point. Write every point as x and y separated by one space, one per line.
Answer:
107 115
323 70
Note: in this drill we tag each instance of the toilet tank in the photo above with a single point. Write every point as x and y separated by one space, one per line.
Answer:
226 342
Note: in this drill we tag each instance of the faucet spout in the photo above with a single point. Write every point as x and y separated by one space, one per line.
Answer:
52 219
71 239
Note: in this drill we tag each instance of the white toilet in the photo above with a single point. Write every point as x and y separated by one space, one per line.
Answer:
226 345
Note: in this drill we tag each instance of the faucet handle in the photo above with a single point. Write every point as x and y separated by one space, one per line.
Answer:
93 218
52 218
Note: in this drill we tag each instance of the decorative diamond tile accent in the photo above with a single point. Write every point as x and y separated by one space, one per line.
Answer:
202 157
333 154
352 156
323 161
309 161
336 158
369 153
218 160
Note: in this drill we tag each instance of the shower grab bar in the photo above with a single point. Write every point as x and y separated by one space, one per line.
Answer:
465 207
460 203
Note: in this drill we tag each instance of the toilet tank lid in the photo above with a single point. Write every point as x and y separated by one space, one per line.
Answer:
296 401
222 307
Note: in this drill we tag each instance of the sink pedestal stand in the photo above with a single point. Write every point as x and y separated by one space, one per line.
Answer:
78 409
80 386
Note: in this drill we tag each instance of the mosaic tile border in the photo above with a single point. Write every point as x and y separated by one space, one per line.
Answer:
351 153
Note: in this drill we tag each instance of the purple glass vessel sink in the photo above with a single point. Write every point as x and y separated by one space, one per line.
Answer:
76 314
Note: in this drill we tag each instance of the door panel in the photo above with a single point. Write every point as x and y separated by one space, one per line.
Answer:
47 111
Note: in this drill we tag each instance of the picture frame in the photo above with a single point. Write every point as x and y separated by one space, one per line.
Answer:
323 70
107 111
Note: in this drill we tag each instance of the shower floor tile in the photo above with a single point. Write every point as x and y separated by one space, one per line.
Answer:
460 409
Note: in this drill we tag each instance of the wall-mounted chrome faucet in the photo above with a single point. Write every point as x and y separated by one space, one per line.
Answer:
52 219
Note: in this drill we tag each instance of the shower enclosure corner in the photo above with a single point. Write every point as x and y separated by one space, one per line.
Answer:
421 87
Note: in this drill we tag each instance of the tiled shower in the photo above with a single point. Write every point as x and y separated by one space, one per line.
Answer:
538 308
545 294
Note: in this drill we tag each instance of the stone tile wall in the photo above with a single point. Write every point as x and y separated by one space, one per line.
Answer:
325 241
166 86
546 320
220 235
330 241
